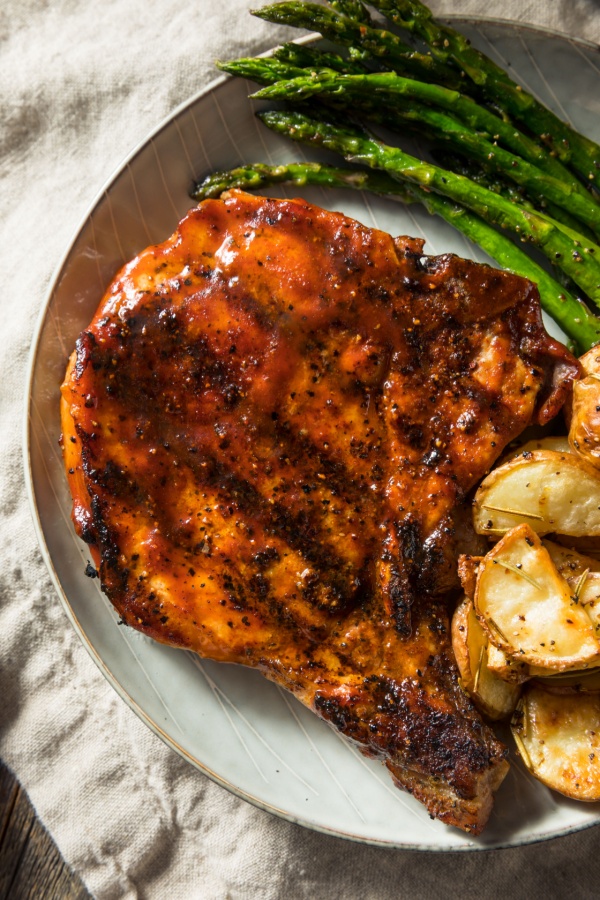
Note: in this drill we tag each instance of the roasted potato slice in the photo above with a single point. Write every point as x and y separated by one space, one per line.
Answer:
552 492
585 546
590 361
558 738
528 609
569 562
557 443
493 696
586 682
506 667
586 589
463 651
584 428
468 566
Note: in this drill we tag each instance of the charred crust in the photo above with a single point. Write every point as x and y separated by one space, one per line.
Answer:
85 352
408 724
285 445
340 715
105 539
265 557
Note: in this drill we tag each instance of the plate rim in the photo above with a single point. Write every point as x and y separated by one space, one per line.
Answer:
112 680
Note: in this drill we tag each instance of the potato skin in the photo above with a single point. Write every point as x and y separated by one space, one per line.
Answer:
558 738
551 492
493 696
582 409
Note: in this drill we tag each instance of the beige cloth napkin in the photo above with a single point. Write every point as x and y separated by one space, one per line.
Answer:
81 83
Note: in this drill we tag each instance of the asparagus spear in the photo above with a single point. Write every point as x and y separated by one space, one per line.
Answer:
263 70
571 314
574 258
449 46
350 33
384 87
443 127
356 11
374 86
304 57
260 175
514 193
353 8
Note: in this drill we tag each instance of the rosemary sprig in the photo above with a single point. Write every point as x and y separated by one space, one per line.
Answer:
479 667
580 583
512 512
496 627
523 751
517 571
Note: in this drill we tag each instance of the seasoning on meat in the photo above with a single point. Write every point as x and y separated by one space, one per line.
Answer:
271 426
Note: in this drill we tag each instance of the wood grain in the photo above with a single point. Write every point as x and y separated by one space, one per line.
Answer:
31 867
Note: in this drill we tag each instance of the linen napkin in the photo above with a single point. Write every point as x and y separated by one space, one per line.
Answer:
81 83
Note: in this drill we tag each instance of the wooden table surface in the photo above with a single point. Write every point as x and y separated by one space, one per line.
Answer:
31 867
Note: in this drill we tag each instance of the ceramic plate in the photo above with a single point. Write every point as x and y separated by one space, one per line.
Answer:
241 730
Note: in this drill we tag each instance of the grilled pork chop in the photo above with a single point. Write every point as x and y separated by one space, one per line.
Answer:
270 428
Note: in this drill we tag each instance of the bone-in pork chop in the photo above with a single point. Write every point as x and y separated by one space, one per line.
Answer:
270 428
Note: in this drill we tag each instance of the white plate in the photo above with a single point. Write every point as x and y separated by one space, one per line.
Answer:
242 731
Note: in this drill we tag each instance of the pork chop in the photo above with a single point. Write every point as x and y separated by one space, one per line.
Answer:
270 428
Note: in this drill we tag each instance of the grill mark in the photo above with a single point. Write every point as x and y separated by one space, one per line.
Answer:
236 298
137 393
401 599
295 529
245 300
299 530
273 518
395 585
300 448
